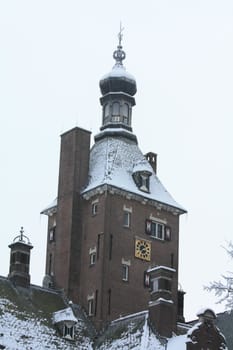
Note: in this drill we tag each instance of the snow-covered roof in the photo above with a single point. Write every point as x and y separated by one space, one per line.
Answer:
51 208
118 71
64 315
112 162
206 310
161 267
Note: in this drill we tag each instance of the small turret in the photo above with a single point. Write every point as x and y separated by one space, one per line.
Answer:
20 260
117 88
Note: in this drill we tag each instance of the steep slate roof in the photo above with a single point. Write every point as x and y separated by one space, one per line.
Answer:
112 162
26 319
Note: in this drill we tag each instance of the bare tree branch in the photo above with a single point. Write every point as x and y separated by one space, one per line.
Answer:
223 289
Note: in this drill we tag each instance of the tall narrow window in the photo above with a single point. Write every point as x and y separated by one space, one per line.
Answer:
106 111
126 219
125 272
92 258
68 332
125 110
91 307
52 232
116 112
94 208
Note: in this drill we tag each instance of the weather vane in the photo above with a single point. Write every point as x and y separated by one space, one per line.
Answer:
120 35
119 54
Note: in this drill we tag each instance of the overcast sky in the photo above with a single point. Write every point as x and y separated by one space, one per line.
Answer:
52 56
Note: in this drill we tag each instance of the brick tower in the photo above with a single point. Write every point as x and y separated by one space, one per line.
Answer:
113 233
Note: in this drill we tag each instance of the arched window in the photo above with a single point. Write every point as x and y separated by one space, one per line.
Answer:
116 108
125 110
106 110
116 112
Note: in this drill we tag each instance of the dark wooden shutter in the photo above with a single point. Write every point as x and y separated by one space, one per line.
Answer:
148 227
146 279
167 233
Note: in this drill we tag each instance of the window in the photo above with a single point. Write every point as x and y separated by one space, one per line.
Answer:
125 272
68 332
106 111
116 109
94 208
92 258
126 218
144 186
161 284
125 110
158 230
52 232
91 307
142 180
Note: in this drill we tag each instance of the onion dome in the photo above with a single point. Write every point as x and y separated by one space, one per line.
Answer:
118 80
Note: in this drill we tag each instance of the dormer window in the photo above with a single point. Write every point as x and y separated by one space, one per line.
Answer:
142 180
65 321
68 332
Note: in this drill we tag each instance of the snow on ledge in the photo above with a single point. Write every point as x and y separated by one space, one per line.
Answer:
64 315
161 267
159 301
141 313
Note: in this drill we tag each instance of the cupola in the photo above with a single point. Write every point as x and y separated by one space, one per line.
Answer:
117 88
20 260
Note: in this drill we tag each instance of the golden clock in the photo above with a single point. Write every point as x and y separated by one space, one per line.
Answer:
142 249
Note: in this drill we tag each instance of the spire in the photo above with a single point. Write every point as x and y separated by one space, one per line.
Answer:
118 88
119 55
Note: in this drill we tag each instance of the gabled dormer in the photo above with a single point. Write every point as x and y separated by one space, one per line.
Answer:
65 322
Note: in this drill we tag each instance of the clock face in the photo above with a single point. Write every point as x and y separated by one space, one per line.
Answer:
142 249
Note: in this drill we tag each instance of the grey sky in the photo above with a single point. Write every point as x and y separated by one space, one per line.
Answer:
52 56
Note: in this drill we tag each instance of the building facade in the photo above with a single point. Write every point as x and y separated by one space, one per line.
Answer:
113 232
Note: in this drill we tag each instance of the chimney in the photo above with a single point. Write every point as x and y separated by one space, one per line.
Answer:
20 260
180 311
162 312
152 159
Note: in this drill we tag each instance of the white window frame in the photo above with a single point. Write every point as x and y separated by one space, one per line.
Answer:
92 258
145 182
155 234
94 208
68 332
125 272
90 303
127 219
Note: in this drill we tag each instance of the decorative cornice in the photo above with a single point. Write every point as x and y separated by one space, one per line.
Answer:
131 196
